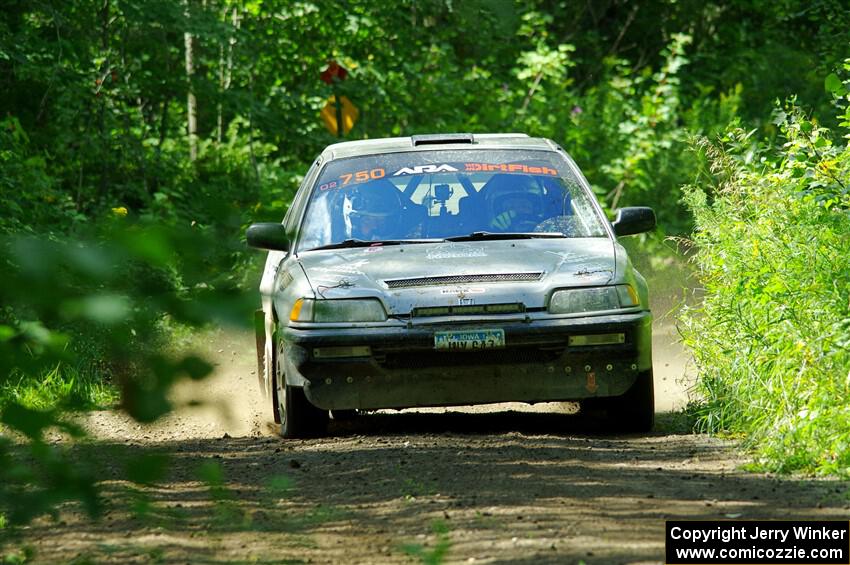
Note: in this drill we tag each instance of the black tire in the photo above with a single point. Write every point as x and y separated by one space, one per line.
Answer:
634 411
274 376
298 418
260 337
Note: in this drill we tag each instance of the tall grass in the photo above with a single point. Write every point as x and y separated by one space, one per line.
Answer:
771 340
65 386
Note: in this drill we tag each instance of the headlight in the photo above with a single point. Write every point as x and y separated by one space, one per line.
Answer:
360 310
577 300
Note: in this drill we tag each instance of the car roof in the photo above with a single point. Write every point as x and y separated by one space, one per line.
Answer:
435 142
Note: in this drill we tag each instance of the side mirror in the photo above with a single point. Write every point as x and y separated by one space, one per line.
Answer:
634 219
268 236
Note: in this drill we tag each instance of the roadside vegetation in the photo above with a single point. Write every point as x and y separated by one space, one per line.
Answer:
771 336
138 138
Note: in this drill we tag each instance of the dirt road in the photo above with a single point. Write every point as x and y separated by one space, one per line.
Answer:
505 484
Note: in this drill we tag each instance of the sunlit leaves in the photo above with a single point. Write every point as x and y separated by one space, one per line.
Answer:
545 62
773 256
833 84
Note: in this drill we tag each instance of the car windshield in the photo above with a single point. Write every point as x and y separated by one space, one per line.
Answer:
434 195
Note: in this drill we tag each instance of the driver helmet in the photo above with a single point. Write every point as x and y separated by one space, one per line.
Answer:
516 193
373 211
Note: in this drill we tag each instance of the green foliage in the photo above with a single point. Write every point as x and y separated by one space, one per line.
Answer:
119 284
66 386
28 194
30 490
627 130
99 92
771 338
24 555
147 469
119 226
437 554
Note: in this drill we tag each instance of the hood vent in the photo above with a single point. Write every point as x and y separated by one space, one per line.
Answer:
464 279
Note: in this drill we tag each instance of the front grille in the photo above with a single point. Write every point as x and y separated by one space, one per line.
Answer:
469 310
511 356
462 279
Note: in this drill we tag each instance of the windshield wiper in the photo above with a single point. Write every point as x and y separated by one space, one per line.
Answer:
348 243
484 235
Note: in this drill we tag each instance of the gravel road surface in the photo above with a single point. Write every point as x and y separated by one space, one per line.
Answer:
497 484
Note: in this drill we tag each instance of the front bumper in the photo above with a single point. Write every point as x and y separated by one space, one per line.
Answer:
404 370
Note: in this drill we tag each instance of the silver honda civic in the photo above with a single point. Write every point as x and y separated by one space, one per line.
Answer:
456 269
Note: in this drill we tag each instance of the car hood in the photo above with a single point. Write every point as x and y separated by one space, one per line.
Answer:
436 274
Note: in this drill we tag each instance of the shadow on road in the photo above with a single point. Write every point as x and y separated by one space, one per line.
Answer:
527 422
510 488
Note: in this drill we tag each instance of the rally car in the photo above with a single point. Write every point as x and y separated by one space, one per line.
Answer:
441 270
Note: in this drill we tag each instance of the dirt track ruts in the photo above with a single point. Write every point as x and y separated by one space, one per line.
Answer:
538 485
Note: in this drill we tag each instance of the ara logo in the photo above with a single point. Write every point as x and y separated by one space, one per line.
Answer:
419 169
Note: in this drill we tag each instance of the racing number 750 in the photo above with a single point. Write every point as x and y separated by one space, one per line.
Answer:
363 176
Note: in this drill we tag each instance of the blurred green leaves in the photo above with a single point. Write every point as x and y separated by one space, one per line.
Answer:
121 282
148 468
436 554
47 477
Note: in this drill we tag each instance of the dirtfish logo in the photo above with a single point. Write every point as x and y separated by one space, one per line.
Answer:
419 169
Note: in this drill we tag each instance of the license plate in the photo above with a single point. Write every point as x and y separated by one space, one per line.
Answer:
471 340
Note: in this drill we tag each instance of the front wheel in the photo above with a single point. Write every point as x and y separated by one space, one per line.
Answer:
632 412
298 418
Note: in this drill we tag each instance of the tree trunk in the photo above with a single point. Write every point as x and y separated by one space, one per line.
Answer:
251 125
191 102
225 70
138 147
101 95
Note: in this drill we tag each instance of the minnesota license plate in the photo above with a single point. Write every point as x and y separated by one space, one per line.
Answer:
470 340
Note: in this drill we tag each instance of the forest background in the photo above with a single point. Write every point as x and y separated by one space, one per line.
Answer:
138 139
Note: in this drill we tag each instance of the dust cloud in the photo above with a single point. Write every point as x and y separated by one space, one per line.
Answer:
228 402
